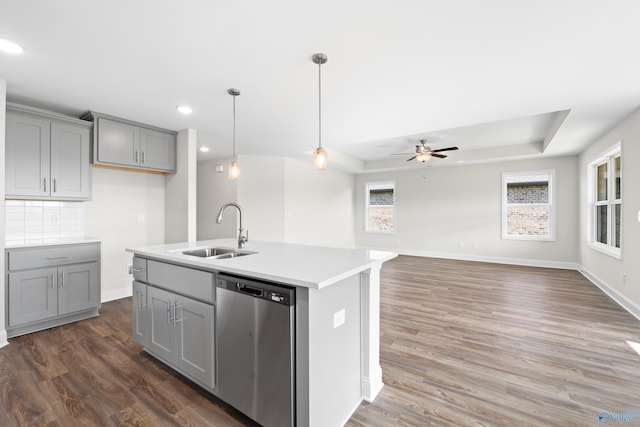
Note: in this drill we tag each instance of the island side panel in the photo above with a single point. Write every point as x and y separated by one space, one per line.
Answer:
371 370
334 342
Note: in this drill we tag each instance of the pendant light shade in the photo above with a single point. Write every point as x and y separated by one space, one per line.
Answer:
234 168
320 158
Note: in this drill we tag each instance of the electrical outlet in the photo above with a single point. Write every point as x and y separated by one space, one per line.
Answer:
475 245
130 269
624 278
461 244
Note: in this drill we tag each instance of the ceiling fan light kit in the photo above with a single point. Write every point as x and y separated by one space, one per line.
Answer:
424 153
320 157
234 168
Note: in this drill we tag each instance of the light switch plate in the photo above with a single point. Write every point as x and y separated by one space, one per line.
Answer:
338 318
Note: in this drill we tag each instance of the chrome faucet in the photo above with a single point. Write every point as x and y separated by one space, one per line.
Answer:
243 235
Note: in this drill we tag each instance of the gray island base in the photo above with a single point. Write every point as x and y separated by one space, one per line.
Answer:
183 312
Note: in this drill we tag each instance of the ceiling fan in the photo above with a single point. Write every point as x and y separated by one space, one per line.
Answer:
424 153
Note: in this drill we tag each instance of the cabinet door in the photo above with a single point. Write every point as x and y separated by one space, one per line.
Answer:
140 313
118 143
32 296
27 156
161 341
78 287
70 162
195 329
158 150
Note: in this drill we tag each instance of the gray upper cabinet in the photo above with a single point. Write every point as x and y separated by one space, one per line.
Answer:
47 155
120 142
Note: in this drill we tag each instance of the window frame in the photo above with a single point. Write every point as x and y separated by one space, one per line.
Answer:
607 157
368 186
551 202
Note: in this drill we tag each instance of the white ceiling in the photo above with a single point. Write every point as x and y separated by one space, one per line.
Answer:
495 78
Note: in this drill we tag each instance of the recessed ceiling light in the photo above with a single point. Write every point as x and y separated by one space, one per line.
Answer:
204 149
184 109
8 46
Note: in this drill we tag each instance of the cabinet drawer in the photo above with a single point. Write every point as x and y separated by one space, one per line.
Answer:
139 269
186 281
20 259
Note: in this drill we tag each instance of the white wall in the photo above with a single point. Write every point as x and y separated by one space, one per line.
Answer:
213 190
261 193
319 205
3 107
604 269
127 209
180 191
283 200
437 208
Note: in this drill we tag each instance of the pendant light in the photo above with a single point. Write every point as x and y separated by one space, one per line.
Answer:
320 158
234 169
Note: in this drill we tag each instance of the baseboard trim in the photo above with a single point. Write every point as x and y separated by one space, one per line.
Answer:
620 299
372 386
3 338
117 294
496 260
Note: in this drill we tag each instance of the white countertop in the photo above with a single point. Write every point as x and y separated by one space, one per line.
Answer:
300 265
48 241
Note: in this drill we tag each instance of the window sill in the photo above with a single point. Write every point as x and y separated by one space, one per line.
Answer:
530 238
607 250
379 232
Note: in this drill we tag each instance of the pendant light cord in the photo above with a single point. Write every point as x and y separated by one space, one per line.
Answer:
320 105
234 128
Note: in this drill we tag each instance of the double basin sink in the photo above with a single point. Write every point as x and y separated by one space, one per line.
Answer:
217 253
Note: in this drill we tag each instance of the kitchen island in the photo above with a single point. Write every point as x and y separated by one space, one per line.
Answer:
336 315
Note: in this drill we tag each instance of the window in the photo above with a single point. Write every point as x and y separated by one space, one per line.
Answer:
605 202
528 211
380 207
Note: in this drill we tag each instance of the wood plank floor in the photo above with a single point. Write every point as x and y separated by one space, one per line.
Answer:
462 343
474 344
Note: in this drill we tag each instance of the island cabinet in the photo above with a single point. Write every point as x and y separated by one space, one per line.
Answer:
47 155
124 143
50 286
174 315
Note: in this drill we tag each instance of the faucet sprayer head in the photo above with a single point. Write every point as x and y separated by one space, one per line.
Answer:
219 218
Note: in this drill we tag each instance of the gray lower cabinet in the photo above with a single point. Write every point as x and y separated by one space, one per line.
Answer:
140 313
176 329
120 142
47 155
50 286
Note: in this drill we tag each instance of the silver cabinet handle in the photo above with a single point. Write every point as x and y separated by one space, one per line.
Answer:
137 270
136 156
175 314
140 296
45 184
57 257
143 157
54 185
169 318
62 280
53 283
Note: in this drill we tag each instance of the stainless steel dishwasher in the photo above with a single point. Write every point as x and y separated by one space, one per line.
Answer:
255 324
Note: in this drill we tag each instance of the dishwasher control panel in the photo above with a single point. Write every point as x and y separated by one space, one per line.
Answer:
276 293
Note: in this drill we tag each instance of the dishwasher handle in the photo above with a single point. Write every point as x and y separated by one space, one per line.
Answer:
245 289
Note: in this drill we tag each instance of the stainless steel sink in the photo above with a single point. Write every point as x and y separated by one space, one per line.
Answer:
218 253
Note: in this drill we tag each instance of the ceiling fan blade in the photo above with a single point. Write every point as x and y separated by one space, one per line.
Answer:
408 160
444 149
442 156
400 154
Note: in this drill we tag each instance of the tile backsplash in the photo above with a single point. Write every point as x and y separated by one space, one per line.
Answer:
35 221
